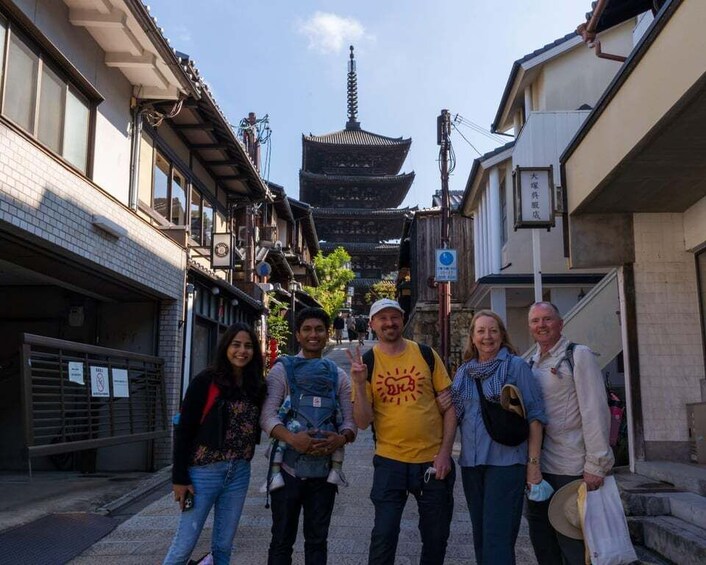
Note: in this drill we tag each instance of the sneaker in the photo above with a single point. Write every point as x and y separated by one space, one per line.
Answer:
276 481
336 477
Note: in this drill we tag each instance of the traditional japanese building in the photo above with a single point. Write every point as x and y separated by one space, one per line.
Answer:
352 180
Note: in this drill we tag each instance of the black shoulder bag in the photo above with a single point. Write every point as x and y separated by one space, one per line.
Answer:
503 426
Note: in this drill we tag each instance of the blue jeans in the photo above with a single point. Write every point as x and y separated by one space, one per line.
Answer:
221 486
316 498
494 495
393 481
551 547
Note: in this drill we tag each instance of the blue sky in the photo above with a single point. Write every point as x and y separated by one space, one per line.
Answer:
287 58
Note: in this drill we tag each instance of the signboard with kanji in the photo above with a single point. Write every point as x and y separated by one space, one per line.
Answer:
534 197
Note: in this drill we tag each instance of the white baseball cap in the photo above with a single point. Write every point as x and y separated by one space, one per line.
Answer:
384 303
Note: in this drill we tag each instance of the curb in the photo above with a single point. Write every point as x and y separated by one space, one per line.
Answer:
157 480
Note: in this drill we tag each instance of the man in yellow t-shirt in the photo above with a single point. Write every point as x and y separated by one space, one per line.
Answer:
412 437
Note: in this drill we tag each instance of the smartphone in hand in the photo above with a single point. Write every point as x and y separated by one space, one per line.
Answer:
188 501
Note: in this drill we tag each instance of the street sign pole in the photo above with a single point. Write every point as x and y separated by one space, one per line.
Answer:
444 288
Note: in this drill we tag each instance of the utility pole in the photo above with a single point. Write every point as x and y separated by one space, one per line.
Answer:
443 133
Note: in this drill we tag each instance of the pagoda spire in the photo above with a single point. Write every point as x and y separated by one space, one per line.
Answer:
352 122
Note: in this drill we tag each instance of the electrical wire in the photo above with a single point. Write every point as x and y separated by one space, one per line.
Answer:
478 129
466 139
155 118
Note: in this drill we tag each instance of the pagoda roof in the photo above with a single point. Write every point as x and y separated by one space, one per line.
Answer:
386 191
360 247
323 178
362 213
363 283
360 137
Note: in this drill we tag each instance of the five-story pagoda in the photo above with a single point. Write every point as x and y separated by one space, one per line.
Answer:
352 180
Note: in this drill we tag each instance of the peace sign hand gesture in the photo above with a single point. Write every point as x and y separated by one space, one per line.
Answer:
359 370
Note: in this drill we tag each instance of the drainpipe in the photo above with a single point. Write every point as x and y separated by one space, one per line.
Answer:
136 127
188 330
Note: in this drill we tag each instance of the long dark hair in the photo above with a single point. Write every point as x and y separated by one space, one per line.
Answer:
253 385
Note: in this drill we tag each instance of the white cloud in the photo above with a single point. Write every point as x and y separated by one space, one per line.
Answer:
329 33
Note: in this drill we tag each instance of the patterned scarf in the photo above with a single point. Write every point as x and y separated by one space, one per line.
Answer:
492 374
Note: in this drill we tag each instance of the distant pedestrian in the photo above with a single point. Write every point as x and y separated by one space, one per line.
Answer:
338 324
361 328
214 442
350 326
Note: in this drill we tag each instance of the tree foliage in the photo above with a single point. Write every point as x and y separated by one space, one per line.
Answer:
278 325
334 275
382 289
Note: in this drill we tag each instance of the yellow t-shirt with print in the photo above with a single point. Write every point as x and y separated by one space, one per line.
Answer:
408 425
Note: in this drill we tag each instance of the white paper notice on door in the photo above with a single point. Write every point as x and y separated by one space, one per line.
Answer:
76 372
120 383
99 381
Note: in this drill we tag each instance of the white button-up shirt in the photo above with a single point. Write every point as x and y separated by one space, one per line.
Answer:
576 438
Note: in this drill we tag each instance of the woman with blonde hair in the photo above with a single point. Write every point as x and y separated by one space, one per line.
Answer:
495 474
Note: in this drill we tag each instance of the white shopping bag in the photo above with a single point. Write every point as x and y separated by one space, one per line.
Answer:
605 527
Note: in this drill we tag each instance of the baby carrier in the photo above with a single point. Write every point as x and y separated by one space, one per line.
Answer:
313 405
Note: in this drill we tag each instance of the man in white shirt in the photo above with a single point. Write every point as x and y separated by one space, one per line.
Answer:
576 438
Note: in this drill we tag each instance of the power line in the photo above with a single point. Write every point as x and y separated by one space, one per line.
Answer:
466 139
479 129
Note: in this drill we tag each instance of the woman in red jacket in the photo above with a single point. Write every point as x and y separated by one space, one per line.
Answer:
214 442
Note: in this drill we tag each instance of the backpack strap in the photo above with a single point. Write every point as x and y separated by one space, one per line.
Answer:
428 354
369 360
570 355
213 392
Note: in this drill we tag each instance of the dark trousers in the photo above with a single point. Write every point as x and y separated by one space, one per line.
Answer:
551 547
316 497
393 481
494 495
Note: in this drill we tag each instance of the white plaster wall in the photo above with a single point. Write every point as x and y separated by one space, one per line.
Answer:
111 166
668 325
695 226
579 77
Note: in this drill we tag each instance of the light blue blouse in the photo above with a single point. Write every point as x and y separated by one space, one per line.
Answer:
477 448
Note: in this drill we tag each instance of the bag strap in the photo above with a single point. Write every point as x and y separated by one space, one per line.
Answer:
568 357
369 360
213 392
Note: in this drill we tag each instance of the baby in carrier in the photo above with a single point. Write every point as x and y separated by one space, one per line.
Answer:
312 404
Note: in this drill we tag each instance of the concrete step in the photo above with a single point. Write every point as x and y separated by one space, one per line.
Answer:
670 537
643 497
688 477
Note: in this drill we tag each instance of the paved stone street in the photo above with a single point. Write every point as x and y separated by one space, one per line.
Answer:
145 537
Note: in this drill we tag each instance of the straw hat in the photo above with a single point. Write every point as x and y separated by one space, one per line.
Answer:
511 400
564 510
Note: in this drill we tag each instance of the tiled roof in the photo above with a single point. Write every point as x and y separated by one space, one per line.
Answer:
618 11
363 283
245 297
455 197
356 137
377 248
357 179
363 212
